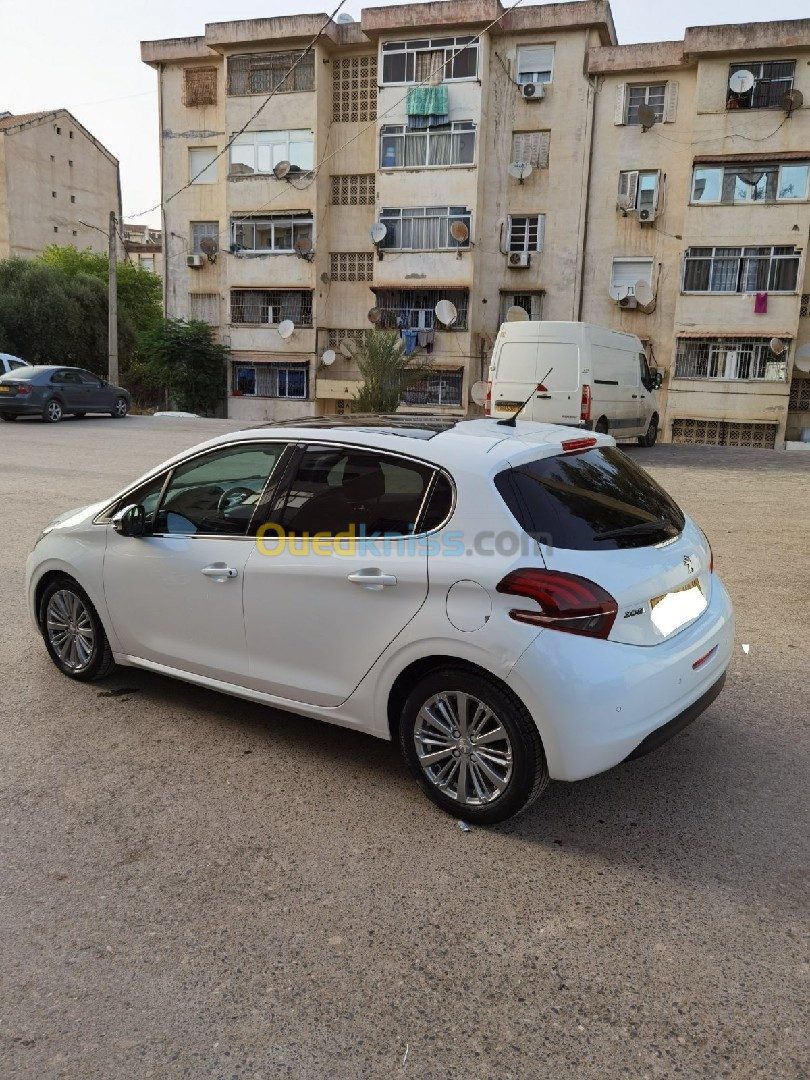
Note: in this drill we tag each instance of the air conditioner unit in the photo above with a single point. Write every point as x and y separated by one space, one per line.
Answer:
533 91
516 260
646 216
628 301
195 261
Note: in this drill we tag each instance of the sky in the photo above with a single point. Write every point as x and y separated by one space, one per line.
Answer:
85 56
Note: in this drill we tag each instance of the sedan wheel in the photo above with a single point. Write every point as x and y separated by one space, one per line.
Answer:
650 435
120 408
52 413
73 632
472 747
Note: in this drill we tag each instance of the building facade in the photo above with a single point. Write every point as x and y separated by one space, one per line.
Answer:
143 247
58 185
453 151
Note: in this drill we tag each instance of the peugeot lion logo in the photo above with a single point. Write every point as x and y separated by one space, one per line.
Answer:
687 562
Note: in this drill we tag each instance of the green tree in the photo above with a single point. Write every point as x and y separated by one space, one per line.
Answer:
186 360
386 371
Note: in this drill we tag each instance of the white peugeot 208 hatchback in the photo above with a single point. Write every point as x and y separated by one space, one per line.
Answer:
512 603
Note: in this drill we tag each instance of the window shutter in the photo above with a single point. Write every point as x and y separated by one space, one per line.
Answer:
541 231
628 185
535 58
531 147
670 102
621 94
543 139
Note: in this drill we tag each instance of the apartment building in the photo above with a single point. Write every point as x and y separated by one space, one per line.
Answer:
58 184
452 151
143 247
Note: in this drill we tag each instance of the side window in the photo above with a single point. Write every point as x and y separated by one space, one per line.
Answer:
646 377
440 504
146 496
337 490
87 378
217 493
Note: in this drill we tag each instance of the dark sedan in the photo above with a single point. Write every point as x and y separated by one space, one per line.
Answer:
53 392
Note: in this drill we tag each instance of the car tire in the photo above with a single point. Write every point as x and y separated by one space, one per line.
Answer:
9 416
120 408
601 427
52 411
516 770
650 435
72 631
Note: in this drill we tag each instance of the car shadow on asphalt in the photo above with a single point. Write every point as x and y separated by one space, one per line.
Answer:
692 810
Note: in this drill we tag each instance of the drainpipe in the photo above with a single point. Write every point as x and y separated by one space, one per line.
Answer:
166 260
582 232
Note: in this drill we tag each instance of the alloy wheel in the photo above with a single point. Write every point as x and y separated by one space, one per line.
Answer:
463 748
54 411
70 630
120 406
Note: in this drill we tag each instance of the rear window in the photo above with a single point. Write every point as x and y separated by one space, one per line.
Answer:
592 501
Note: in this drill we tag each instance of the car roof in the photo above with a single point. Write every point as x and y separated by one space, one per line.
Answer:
443 440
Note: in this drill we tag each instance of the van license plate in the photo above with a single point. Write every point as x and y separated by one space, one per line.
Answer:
507 406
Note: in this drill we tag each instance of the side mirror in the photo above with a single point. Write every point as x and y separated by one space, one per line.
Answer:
659 378
130 521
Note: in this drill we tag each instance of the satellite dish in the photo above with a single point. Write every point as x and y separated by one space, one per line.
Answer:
446 312
281 170
303 245
646 115
517 314
459 232
793 99
643 293
479 392
741 81
803 358
344 18
329 357
374 315
777 346
286 329
751 178
618 292
209 245
348 347
520 170
378 232
625 202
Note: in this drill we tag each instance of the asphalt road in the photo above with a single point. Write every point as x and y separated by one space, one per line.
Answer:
194 886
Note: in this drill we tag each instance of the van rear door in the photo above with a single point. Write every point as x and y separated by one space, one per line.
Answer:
524 364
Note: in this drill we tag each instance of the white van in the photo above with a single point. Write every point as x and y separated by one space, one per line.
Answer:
591 377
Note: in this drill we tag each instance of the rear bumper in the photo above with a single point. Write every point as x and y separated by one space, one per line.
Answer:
596 702
18 406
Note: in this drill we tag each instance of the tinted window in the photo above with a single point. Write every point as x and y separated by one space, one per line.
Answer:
217 493
88 378
439 505
17 364
65 377
335 489
574 500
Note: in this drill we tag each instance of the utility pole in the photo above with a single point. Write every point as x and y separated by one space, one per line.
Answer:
112 348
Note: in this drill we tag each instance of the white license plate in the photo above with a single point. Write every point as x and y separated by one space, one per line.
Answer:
674 609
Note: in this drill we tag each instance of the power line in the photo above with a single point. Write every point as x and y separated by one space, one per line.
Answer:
249 120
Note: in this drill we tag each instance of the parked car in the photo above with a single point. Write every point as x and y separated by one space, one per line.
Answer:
575 373
512 604
53 392
10 363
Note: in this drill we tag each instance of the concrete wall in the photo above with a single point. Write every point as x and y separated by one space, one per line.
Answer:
56 156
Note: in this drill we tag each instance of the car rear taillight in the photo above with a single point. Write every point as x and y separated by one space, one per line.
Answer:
23 389
585 404
567 602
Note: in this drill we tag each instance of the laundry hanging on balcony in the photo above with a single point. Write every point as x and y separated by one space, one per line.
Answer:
761 303
427 106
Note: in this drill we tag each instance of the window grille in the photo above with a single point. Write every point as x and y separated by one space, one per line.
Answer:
354 89
263 73
413 309
772 80
351 266
799 400
199 86
804 309
271 306
741 270
271 380
204 307
335 335
440 388
723 433
530 302
353 190
729 358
